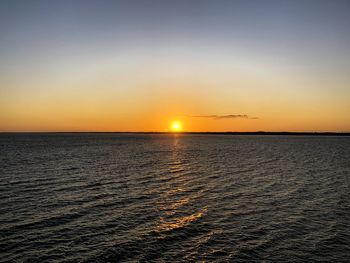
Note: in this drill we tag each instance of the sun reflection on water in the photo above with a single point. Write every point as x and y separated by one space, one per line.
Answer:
180 222
177 206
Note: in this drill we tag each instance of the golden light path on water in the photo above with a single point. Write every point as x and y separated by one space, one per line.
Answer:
173 214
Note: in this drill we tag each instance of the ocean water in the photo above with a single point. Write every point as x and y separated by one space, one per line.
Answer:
174 198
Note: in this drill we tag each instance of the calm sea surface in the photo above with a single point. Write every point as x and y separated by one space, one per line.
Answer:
167 198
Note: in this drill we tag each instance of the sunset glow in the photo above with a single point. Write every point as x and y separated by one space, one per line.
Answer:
176 126
133 65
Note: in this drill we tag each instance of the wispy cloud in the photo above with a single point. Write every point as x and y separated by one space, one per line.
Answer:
229 116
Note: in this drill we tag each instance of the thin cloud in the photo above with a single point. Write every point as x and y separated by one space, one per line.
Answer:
229 116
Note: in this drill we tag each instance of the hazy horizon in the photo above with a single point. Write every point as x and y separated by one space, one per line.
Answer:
346 133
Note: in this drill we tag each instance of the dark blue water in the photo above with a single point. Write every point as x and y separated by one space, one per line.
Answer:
167 198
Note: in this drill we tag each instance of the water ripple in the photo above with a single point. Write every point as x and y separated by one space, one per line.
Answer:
183 198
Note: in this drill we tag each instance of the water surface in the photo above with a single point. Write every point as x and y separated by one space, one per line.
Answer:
174 198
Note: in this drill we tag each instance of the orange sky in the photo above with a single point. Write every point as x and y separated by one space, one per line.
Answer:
117 70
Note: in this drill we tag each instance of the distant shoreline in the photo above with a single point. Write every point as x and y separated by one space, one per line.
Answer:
198 133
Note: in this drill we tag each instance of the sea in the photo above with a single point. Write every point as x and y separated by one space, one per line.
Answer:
84 197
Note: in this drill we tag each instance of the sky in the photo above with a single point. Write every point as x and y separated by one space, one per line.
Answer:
140 65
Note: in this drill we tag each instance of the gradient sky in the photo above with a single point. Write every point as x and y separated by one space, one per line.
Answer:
137 65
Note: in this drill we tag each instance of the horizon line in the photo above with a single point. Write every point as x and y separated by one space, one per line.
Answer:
346 133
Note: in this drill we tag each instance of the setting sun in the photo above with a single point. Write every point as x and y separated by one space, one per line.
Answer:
176 126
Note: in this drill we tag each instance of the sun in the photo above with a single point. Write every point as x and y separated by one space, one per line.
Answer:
176 126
